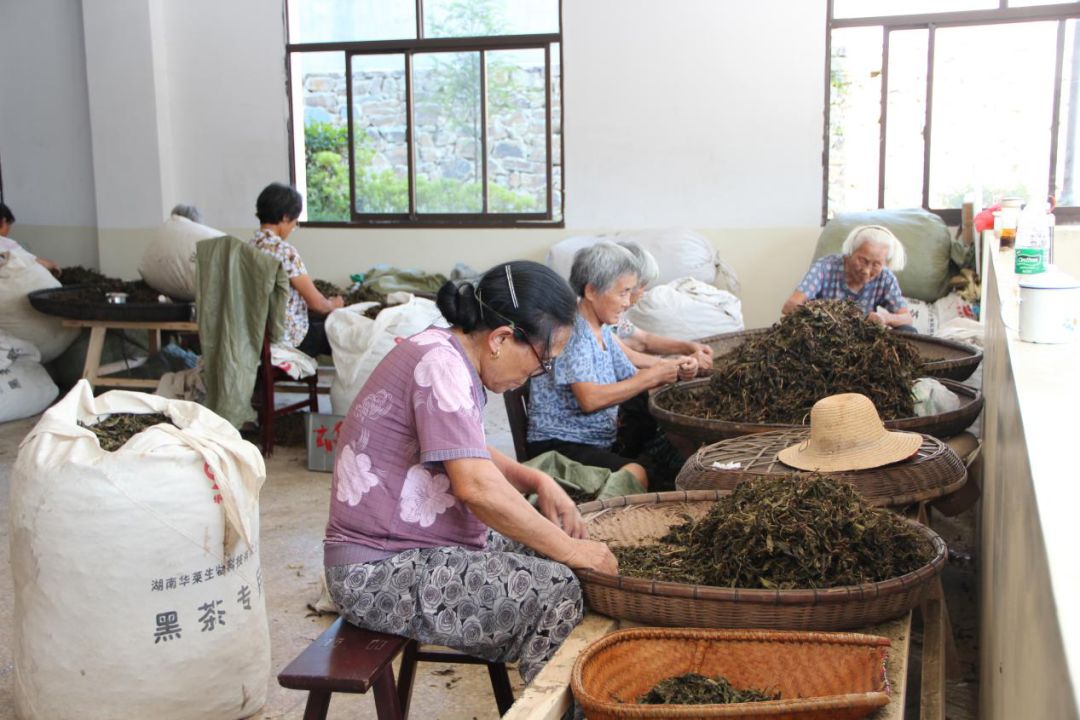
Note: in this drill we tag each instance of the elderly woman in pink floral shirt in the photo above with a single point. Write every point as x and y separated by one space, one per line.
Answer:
430 535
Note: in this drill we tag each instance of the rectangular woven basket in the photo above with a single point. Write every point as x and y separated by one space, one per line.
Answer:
826 676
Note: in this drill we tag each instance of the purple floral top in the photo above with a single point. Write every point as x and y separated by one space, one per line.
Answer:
422 405
296 310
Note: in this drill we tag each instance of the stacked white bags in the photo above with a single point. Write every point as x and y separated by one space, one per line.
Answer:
25 387
20 274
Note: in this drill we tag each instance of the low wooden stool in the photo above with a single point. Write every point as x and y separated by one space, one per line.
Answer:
348 659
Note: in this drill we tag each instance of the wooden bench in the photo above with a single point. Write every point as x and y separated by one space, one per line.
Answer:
348 659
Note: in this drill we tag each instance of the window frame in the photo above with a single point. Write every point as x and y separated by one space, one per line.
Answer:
930 22
420 45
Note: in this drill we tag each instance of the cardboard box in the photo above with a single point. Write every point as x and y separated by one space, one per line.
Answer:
322 440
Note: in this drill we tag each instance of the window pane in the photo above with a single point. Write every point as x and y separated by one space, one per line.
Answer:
516 131
313 21
906 118
556 133
379 143
991 112
881 8
854 119
1067 191
321 132
469 18
448 157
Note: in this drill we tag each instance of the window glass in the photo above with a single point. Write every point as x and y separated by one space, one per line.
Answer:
380 122
991 112
320 21
906 118
884 8
471 18
516 131
854 119
320 127
447 152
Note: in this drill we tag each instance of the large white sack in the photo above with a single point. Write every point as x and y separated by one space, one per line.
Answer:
138 592
21 274
678 252
25 387
360 343
687 309
168 265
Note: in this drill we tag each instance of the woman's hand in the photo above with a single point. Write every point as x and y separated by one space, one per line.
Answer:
879 318
336 302
557 507
703 354
664 372
688 367
592 555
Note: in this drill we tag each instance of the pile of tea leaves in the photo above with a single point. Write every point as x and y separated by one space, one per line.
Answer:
359 295
94 285
783 532
114 430
822 348
695 689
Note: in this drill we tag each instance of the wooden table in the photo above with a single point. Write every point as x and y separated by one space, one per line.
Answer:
97 344
547 697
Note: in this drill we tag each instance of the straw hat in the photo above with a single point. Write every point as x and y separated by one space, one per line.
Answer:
847 434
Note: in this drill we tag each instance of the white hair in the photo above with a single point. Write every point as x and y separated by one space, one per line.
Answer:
600 265
188 211
878 235
648 270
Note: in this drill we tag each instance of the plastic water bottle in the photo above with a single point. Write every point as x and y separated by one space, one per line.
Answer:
1032 238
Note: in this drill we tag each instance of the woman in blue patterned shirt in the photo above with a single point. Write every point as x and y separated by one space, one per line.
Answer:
574 408
863 274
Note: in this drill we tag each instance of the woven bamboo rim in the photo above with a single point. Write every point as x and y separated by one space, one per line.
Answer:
934 472
702 431
658 602
941 358
820 675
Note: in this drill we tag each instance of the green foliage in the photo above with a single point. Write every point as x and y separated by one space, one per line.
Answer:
384 191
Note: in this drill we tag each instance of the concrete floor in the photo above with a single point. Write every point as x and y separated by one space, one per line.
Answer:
294 506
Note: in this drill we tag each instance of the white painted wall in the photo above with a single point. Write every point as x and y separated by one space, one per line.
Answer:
690 113
45 130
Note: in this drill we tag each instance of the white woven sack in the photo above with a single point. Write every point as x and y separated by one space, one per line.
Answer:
21 274
687 309
678 253
138 592
25 387
168 265
359 343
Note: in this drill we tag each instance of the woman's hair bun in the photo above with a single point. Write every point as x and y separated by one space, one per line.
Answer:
459 305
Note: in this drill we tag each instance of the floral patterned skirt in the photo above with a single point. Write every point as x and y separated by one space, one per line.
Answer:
503 603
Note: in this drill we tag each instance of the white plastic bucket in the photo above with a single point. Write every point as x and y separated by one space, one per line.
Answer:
1049 308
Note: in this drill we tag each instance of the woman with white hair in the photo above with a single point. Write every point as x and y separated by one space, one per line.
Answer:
645 348
863 274
574 408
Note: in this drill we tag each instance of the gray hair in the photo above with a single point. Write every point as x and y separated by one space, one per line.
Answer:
600 265
648 270
188 211
878 235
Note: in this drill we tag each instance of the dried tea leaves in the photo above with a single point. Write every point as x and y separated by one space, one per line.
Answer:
695 689
94 285
823 348
359 295
793 531
114 430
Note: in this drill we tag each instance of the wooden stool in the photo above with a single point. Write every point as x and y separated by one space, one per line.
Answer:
349 659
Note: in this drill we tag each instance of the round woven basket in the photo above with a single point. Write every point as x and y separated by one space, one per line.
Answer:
636 519
935 470
58 302
696 431
822 676
941 358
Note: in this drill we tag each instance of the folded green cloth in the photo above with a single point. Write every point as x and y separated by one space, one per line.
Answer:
584 482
